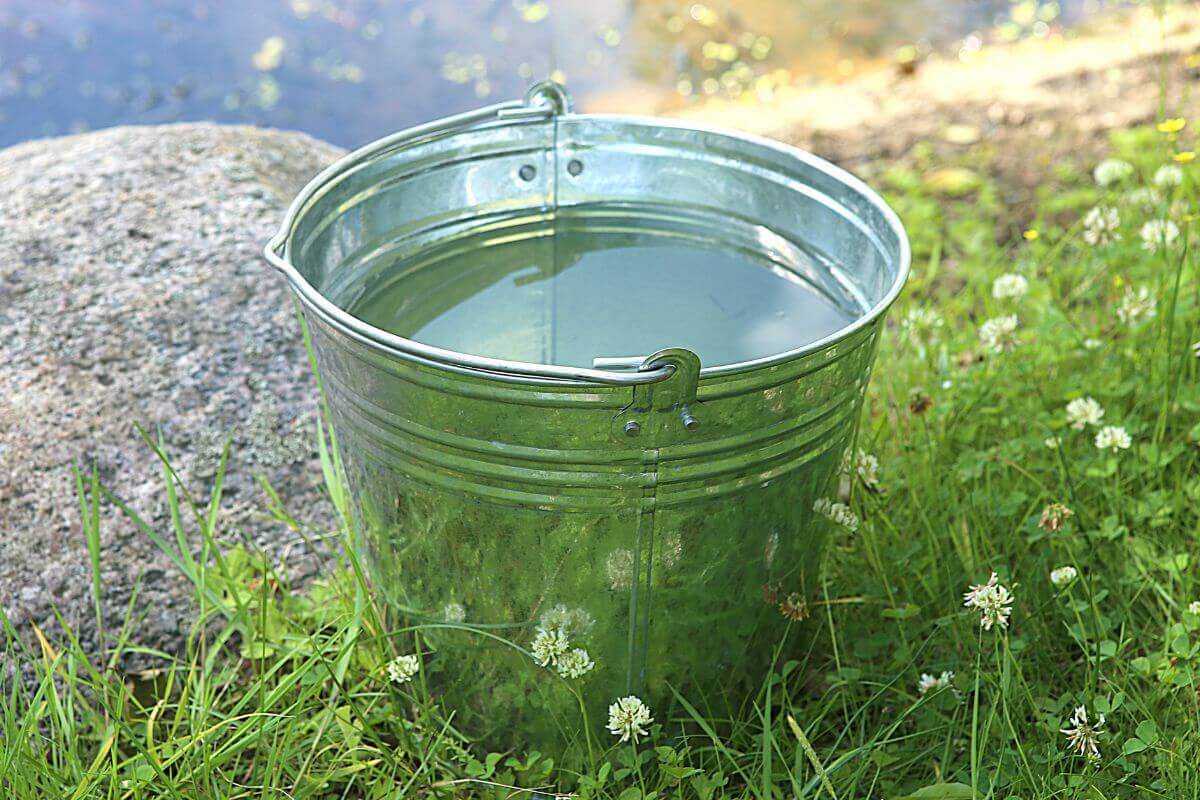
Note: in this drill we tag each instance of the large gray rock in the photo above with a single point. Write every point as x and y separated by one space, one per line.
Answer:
132 290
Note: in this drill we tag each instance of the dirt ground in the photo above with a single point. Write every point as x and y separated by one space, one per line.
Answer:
1030 104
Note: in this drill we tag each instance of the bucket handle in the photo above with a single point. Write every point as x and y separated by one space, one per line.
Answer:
543 100
510 109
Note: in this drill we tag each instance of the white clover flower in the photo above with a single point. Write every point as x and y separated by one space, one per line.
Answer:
549 645
1092 344
1168 176
794 607
1100 226
1084 411
864 464
1054 517
1144 197
1113 437
1063 575
628 718
669 550
771 547
1112 170
1053 442
1194 607
923 320
575 622
575 664
454 612
993 600
619 569
839 513
1158 233
999 334
923 327
1083 735
1010 286
928 683
1136 306
401 669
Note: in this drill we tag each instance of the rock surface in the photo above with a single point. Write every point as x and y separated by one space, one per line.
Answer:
132 290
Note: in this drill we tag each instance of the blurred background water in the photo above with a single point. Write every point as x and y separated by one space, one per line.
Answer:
349 71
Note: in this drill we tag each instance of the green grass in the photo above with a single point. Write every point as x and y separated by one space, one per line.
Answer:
283 693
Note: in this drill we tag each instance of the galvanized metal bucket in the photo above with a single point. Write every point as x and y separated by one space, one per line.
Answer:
659 518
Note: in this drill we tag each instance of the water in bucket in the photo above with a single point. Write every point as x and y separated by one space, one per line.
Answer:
567 291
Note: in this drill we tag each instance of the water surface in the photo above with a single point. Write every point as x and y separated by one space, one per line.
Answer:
568 293
349 71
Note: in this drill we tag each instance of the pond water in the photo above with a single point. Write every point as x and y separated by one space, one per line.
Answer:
349 71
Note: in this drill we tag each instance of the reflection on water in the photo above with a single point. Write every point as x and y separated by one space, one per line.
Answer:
351 70
535 297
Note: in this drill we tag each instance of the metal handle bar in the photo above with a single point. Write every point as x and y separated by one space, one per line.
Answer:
275 247
544 100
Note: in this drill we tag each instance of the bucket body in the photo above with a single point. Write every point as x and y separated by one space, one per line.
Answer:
659 519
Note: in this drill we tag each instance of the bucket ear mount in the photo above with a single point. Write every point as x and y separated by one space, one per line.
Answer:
666 410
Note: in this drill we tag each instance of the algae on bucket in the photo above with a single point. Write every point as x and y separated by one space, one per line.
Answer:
590 375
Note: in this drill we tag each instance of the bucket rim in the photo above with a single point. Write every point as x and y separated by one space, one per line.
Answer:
277 254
